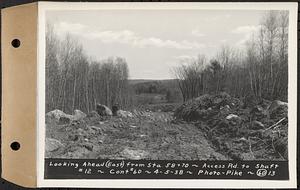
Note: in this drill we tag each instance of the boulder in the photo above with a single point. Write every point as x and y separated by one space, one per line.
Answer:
64 120
125 114
278 109
103 110
93 114
115 109
52 145
233 120
78 115
58 116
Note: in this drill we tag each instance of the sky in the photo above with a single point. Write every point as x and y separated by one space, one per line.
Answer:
154 41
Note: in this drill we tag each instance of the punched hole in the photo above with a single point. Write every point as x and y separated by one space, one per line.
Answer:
16 43
15 146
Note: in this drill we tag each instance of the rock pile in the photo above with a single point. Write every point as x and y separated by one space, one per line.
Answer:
206 106
61 118
244 130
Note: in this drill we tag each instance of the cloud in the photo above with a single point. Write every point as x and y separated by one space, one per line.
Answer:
185 57
196 32
64 27
245 29
124 37
217 18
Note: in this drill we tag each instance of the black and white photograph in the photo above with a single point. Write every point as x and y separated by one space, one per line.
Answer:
168 84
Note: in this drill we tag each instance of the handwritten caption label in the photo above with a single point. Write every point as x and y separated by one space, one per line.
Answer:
144 169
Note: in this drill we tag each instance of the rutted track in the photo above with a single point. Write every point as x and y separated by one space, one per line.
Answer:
146 135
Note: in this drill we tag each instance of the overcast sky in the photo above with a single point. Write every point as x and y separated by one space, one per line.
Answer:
153 41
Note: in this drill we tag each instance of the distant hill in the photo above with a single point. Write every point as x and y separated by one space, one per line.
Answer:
147 89
137 81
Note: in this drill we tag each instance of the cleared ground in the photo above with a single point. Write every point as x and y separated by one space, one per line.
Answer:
146 135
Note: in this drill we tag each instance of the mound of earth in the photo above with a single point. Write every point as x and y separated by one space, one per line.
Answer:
244 130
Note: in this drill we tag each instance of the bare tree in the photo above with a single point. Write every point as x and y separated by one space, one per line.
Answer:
190 77
75 82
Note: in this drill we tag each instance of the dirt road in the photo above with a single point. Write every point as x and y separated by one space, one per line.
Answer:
146 135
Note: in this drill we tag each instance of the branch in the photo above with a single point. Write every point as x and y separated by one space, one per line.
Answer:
277 123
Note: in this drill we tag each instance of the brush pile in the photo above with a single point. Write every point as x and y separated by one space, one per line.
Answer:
247 129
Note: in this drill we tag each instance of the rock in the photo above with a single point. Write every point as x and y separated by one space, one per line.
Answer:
232 117
275 104
125 114
247 156
78 115
52 145
64 120
258 113
134 154
115 109
257 125
242 139
233 120
225 110
95 128
278 109
257 110
103 110
93 114
58 116
227 106
88 146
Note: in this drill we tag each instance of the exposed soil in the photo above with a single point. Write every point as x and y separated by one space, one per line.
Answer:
146 135
210 127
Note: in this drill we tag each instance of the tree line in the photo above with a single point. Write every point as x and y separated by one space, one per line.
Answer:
260 70
74 81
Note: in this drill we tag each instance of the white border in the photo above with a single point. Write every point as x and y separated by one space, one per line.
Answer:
134 183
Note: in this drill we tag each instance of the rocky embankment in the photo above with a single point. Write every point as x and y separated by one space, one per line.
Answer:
245 129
